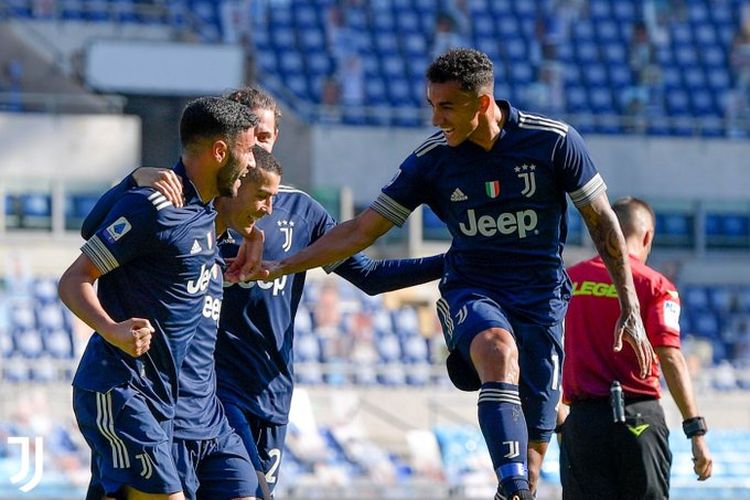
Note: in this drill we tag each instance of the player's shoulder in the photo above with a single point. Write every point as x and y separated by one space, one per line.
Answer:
540 125
433 145
297 201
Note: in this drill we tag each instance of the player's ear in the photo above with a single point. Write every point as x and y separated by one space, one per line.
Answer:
219 150
485 100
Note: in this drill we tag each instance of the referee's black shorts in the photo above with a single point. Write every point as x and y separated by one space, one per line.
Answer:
603 460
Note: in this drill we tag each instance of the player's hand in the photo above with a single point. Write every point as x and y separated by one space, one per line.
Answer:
132 336
702 462
247 265
630 328
166 181
272 269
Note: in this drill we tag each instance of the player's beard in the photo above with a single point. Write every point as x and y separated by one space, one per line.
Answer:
229 174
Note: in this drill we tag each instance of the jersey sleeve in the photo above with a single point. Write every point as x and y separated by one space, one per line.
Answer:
663 316
378 276
103 205
579 176
403 193
129 230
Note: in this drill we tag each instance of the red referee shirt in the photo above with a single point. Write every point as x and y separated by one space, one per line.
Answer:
590 363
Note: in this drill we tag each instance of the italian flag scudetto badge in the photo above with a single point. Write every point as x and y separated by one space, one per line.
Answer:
492 188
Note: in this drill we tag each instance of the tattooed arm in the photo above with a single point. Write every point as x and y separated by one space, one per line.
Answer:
610 243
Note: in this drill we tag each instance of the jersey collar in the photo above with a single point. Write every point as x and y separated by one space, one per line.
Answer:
511 114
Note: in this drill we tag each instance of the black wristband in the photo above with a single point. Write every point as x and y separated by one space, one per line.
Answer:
695 426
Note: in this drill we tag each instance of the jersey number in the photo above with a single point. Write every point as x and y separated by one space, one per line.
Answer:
275 454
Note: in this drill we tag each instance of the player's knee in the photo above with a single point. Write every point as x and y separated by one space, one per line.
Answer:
495 355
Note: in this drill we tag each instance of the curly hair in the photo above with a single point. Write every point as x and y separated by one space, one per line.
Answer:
255 98
213 117
471 68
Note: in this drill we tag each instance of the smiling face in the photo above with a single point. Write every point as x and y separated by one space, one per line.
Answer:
239 159
254 200
454 110
266 132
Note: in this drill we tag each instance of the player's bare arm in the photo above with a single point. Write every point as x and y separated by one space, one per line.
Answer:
341 242
610 243
249 258
76 289
675 371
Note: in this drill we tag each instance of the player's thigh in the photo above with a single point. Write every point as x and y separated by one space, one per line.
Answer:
240 421
464 313
129 445
187 455
540 356
225 471
646 458
134 494
270 442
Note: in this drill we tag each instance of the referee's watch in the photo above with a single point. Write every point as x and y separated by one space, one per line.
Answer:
695 426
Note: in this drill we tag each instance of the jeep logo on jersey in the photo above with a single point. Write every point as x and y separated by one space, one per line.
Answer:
526 173
520 222
276 286
287 229
201 284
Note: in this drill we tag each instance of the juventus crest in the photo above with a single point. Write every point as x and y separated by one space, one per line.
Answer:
526 173
287 229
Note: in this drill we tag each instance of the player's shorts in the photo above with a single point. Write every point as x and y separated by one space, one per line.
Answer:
215 469
264 442
465 312
129 446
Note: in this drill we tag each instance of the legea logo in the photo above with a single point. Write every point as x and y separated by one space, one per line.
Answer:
20 476
521 223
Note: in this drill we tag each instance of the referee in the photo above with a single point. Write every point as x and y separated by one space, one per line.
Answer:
614 442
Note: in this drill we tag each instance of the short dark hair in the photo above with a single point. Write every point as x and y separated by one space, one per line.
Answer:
263 161
255 98
471 68
212 117
628 210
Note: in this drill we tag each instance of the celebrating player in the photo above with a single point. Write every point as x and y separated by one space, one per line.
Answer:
498 178
255 372
153 262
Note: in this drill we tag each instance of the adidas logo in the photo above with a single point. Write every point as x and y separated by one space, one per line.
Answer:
458 195
196 248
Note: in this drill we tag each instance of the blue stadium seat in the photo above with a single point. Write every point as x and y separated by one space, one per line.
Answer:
587 52
706 324
695 298
624 11
389 348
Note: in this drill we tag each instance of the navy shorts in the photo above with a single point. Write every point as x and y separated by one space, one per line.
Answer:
466 312
215 469
129 445
264 442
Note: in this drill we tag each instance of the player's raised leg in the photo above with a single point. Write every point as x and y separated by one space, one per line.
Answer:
478 334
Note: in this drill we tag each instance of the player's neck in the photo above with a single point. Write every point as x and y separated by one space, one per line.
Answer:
203 179
221 218
490 128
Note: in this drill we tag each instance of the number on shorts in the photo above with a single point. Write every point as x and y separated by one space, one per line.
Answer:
555 371
275 453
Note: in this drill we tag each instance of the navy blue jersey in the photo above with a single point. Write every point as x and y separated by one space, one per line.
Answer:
156 262
254 362
199 414
505 208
